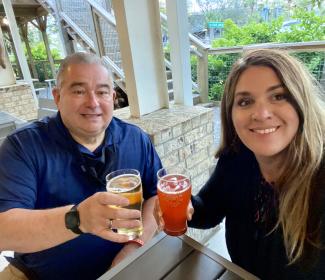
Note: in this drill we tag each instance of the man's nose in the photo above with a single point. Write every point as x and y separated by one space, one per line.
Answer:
261 111
92 100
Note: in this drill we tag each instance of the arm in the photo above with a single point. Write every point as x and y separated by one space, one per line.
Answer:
28 231
210 203
149 229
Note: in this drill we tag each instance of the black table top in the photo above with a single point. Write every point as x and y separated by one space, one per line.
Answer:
176 258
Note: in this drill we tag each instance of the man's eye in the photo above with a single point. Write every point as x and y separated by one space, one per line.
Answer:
103 92
78 92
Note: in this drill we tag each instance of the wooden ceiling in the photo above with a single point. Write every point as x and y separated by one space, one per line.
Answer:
25 10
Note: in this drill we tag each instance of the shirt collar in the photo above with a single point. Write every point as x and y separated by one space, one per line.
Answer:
112 132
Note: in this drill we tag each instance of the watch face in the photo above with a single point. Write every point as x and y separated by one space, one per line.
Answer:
72 220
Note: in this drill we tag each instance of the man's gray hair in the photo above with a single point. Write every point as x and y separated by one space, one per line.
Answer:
80 58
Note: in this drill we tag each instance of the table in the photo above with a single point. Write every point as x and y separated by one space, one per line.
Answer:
176 258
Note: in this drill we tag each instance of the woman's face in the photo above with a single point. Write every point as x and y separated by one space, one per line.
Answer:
263 117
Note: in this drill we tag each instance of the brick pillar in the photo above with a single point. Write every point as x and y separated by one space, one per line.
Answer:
18 101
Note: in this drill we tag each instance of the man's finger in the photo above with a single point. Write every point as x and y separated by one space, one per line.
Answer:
113 236
123 213
112 199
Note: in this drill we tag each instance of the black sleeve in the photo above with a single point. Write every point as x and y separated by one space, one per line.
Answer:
210 203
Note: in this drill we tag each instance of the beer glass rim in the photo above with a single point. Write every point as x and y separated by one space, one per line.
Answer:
122 171
185 176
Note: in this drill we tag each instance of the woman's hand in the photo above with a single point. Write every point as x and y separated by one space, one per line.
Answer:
190 211
159 216
157 213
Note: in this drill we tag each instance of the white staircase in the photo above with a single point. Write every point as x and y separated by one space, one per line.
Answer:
90 21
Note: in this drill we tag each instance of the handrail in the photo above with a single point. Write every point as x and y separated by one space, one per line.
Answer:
307 46
115 69
74 26
101 12
310 46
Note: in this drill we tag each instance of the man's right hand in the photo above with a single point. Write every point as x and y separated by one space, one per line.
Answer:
98 210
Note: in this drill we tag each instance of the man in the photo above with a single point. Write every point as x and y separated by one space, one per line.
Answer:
55 213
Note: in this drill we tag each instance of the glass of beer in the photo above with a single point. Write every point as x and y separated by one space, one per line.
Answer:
127 182
174 193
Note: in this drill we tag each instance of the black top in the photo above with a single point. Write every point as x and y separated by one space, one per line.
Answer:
234 192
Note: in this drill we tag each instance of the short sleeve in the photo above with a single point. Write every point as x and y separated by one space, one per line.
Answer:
18 186
153 164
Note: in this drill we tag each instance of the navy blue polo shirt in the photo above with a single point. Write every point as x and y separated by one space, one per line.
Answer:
42 167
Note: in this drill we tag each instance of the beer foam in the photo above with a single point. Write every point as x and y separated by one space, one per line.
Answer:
171 185
123 183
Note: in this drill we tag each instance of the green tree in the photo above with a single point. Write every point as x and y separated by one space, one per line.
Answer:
310 28
39 52
251 33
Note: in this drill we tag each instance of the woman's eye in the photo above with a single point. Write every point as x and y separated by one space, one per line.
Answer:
244 102
280 96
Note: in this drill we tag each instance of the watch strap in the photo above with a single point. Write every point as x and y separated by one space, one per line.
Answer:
74 228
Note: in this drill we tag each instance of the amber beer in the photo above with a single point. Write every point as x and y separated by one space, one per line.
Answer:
127 182
174 193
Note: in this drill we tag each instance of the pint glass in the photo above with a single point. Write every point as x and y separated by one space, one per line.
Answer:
127 182
174 193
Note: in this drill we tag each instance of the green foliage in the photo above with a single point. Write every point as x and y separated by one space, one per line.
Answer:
194 67
39 52
310 28
251 33
41 61
218 67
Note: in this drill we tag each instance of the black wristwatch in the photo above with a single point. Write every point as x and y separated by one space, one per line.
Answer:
72 220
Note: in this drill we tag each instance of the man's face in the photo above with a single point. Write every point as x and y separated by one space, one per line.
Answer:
85 99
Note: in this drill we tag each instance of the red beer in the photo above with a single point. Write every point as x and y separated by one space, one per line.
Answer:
174 193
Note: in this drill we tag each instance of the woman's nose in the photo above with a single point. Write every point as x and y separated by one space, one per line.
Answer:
261 112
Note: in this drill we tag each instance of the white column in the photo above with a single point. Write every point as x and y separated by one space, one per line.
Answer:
18 45
7 77
138 26
177 23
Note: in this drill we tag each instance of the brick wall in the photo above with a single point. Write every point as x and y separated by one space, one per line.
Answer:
18 101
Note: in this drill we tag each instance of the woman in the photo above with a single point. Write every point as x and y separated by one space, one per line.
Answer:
269 182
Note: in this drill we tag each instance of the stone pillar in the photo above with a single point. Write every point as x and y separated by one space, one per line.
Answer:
18 101
7 76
